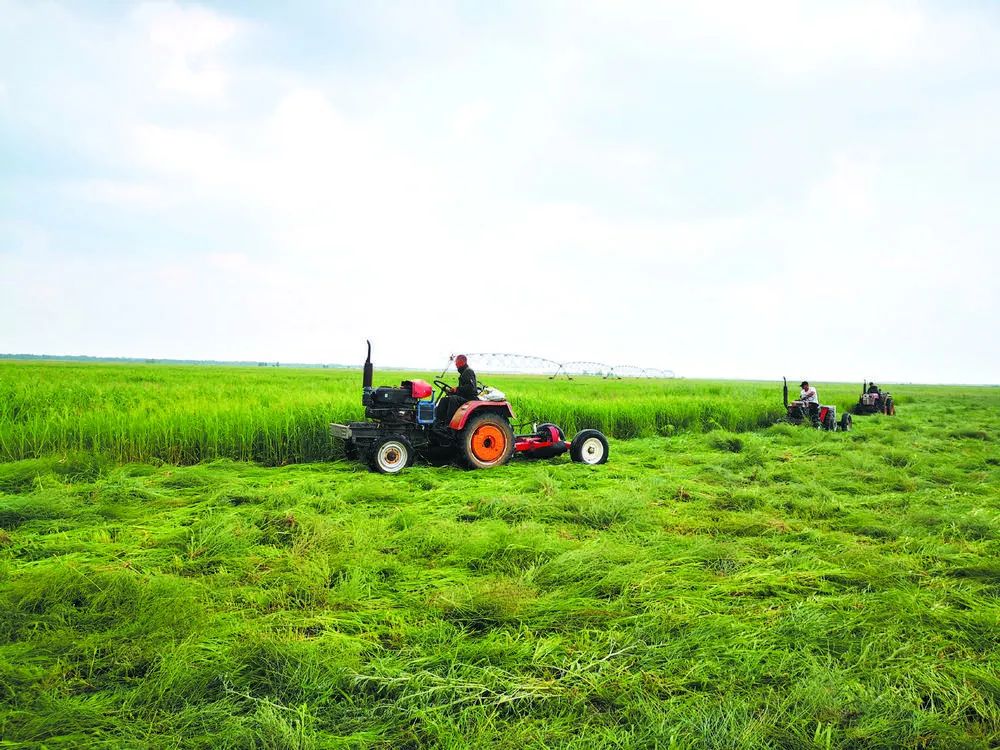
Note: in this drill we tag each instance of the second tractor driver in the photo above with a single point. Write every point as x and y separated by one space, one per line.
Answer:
467 390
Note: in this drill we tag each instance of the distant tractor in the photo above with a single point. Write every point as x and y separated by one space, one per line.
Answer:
874 400
816 415
402 422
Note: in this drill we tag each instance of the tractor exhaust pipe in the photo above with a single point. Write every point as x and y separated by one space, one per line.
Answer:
785 391
366 381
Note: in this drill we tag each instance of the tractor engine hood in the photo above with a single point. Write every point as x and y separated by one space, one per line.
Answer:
418 388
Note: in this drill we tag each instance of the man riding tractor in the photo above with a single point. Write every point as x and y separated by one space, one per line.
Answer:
874 400
806 409
467 390
808 400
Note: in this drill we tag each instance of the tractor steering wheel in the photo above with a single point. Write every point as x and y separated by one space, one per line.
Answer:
445 387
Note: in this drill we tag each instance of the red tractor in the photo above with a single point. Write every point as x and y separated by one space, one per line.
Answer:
874 400
406 421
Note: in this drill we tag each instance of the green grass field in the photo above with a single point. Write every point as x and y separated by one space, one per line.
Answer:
181 568
185 414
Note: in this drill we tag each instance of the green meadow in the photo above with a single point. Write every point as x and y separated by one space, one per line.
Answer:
187 562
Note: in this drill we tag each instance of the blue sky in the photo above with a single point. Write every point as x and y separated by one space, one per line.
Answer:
726 189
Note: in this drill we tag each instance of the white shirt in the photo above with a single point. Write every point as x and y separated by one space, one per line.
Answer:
809 395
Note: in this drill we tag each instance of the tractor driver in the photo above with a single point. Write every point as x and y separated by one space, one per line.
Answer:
808 394
809 400
467 390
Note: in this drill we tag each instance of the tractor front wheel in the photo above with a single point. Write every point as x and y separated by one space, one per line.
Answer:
487 441
846 422
390 455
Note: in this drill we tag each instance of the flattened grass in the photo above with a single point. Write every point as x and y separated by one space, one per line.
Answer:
778 588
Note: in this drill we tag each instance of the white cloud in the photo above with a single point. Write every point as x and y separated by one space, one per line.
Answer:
293 214
185 43
22 238
800 38
471 116
127 194
785 37
845 195
229 261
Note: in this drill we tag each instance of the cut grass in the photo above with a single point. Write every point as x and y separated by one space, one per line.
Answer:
777 588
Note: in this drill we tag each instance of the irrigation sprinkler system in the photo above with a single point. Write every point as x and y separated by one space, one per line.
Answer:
528 364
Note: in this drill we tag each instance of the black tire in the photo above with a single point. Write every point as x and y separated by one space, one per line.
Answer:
350 451
846 422
589 447
537 454
830 422
544 425
491 451
890 407
390 455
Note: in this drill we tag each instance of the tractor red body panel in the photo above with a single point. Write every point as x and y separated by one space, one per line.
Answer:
466 410
419 388
530 444
553 433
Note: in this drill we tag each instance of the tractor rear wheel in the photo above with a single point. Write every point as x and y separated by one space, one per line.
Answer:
589 447
487 441
390 455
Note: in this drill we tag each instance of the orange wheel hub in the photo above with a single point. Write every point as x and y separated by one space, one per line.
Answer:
488 443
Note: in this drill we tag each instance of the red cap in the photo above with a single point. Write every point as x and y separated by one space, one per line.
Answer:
461 360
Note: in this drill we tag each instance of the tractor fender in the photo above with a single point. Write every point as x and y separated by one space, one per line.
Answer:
467 409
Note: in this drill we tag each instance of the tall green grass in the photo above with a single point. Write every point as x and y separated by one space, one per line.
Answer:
186 414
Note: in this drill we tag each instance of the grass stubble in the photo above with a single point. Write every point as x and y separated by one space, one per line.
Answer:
778 587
